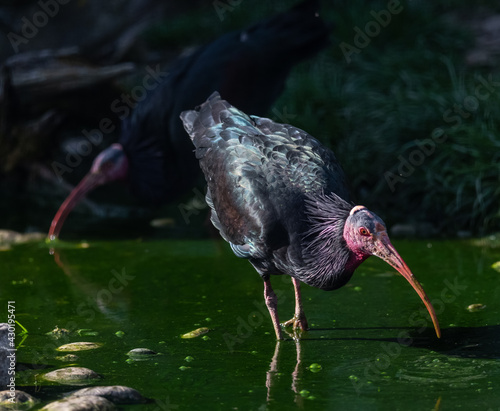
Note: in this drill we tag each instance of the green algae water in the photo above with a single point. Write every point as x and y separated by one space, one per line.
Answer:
371 345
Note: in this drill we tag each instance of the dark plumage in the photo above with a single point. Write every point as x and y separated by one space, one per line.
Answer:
280 199
249 66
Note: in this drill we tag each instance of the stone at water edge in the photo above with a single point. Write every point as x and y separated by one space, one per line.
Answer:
140 354
89 402
23 400
72 376
79 346
8 237
4 353
118 394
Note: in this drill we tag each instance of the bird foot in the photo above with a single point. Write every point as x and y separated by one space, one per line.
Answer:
297 322
295 334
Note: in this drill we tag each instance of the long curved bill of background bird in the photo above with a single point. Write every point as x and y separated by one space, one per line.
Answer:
110 165
386 251
88 183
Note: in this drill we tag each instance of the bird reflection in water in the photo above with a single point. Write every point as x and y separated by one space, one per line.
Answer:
273 372
106 298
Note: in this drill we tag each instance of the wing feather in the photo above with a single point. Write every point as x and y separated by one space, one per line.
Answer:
258 172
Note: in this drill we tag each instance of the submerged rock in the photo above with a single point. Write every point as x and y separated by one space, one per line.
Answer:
118 394
196 333
79 346
141 353
89 402
18 400
58 332
68 358
72 376
475 307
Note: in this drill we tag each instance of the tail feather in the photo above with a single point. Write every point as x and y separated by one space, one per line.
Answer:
197 121
201 123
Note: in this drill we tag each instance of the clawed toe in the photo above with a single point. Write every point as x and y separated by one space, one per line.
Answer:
297 322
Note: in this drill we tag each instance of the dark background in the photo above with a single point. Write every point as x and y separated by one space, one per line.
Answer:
412 110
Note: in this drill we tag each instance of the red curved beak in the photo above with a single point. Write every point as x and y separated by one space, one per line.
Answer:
386 251
110 165
88 183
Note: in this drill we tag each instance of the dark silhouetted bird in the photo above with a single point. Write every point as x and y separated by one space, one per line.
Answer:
250 67
280 199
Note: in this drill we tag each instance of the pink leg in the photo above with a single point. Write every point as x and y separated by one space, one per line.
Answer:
299 319
272 306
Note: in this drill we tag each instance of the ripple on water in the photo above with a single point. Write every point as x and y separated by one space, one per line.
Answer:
452 371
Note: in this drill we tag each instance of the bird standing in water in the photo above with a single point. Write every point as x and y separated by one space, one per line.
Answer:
280 199
249 66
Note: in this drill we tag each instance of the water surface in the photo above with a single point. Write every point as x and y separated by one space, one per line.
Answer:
373 340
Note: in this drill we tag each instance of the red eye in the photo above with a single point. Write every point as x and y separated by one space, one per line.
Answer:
364 231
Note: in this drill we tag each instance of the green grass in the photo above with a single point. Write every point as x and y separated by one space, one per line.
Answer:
406 83
394 93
